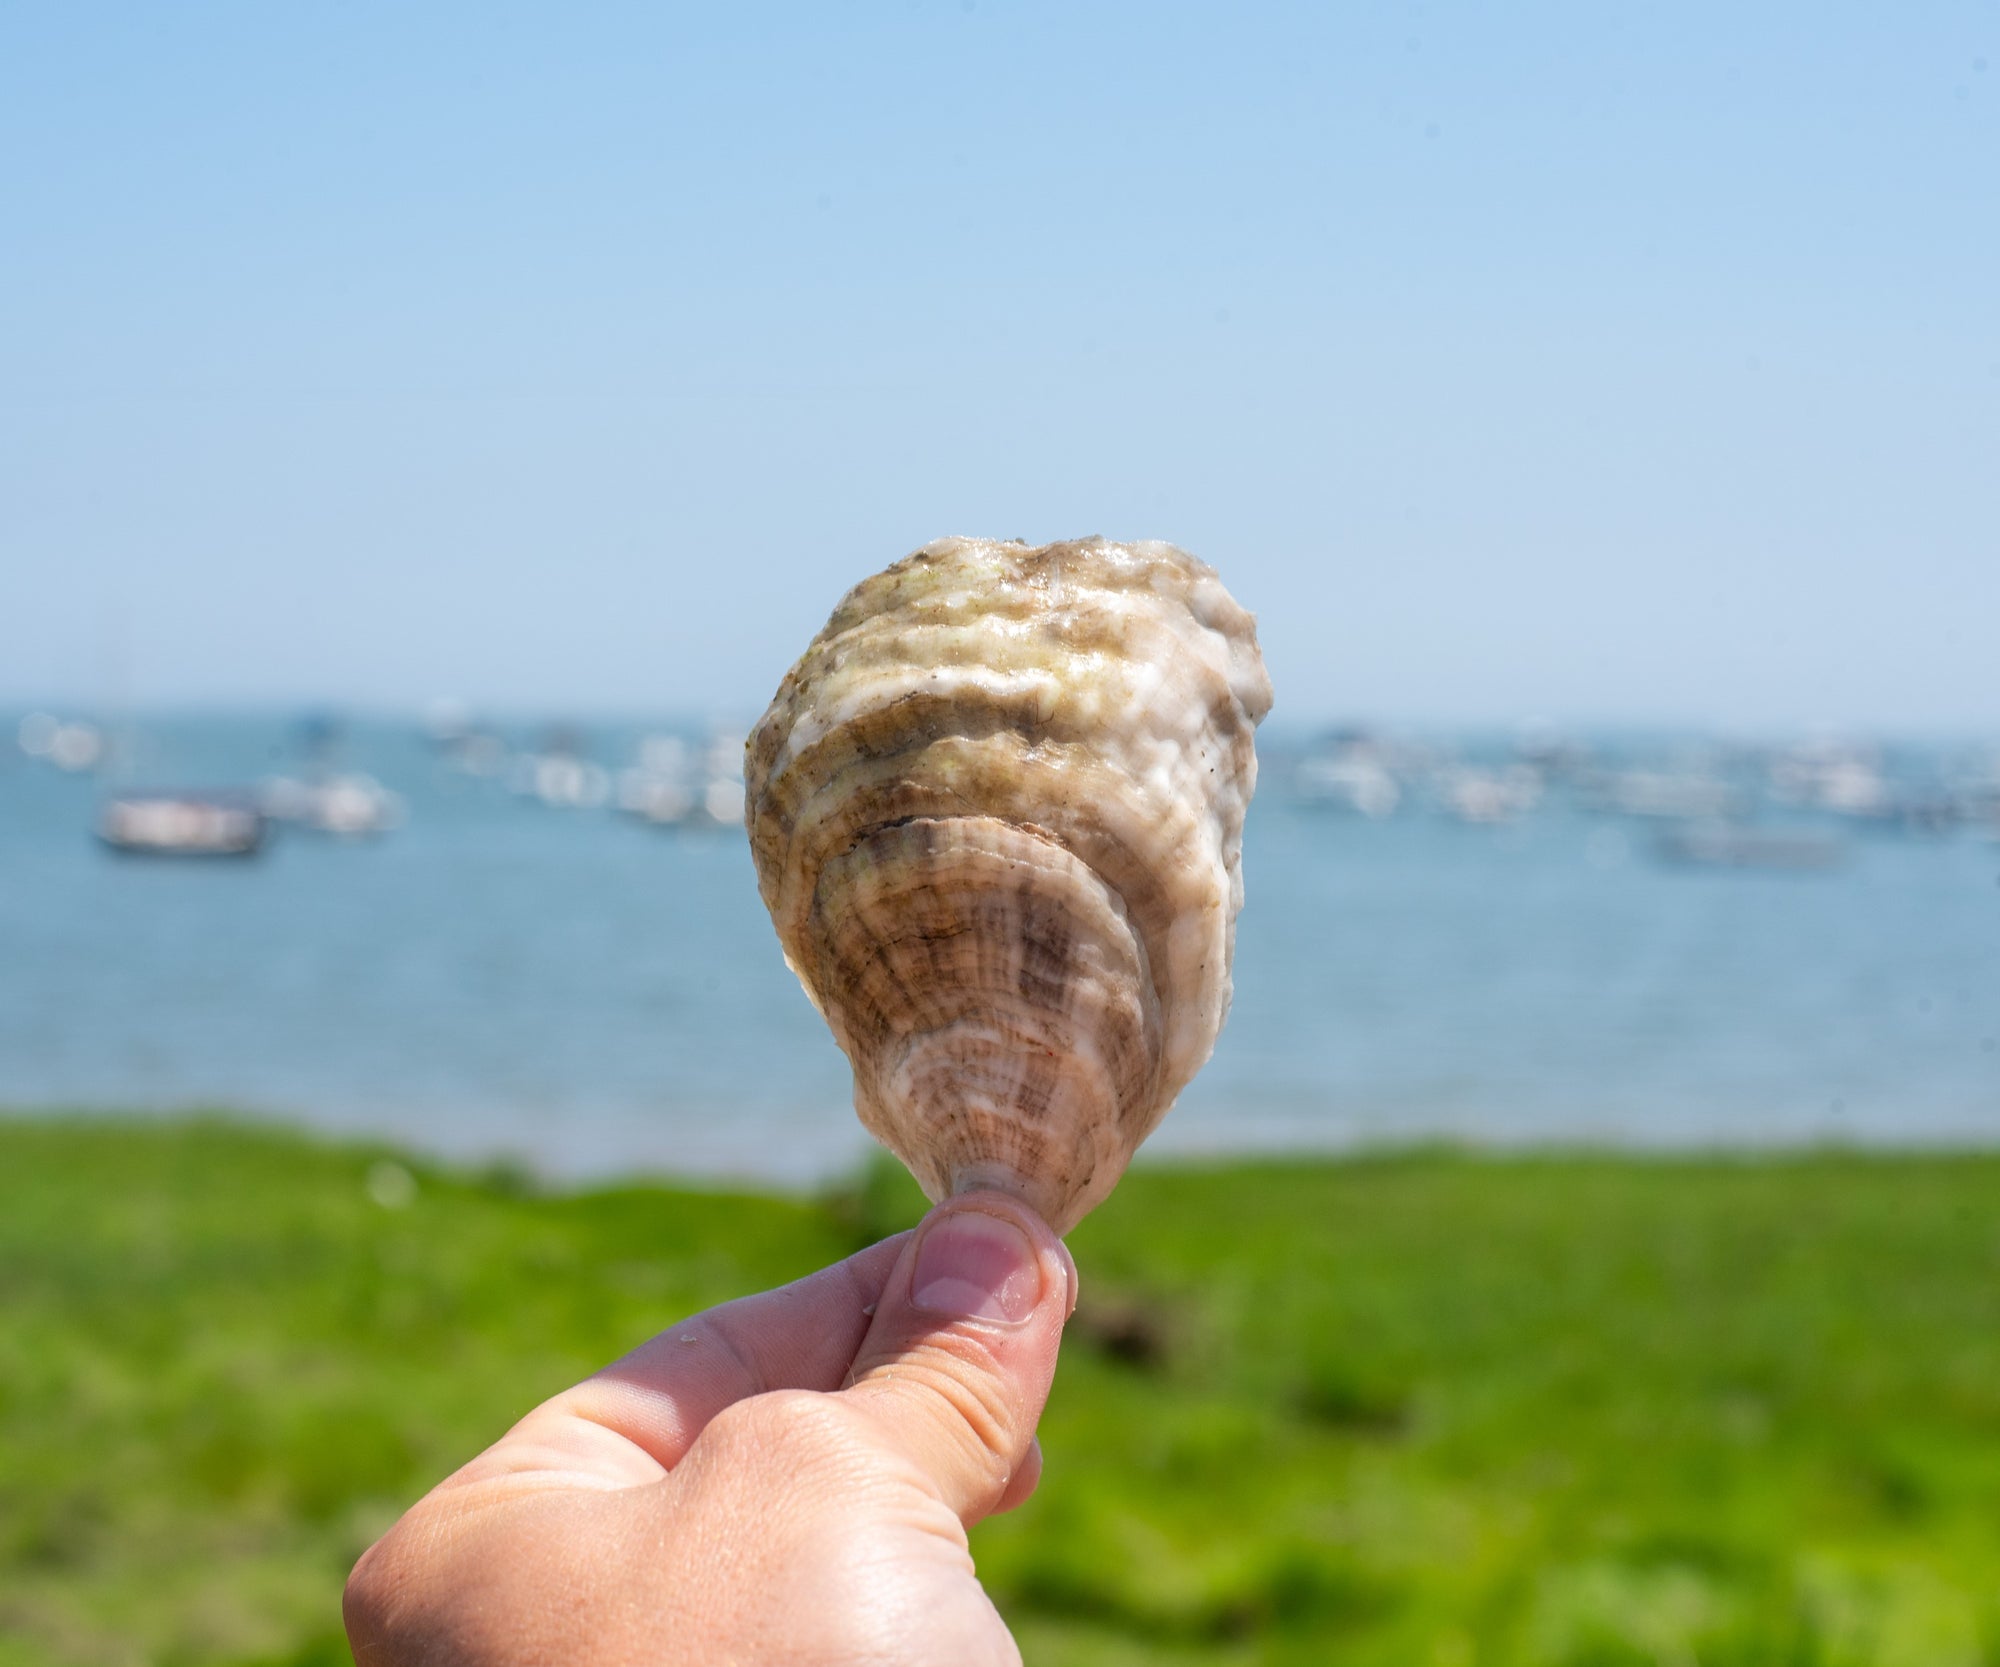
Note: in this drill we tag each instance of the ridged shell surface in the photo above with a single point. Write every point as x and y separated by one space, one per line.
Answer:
997 816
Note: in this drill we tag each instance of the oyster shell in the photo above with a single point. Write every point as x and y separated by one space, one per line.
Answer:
997 816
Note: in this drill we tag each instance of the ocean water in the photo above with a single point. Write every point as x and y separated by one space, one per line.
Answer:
593 995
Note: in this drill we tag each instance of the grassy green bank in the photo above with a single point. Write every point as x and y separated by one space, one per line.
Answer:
1567 1411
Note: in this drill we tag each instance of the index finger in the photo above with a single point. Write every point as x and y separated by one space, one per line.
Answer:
631 1422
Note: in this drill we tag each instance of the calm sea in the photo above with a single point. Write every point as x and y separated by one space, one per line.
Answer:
592 994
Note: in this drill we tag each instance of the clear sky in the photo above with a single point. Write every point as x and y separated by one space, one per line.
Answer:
1544 361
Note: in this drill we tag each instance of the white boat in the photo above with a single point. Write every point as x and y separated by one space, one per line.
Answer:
181 825
561 780
722 803
654 796
1490 796
668 789
464 745
1845 779
72 746
1673 795
1354 782
351 806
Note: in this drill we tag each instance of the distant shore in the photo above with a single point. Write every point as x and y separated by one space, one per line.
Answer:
830 1148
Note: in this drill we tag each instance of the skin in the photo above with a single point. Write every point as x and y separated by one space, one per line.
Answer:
787 1478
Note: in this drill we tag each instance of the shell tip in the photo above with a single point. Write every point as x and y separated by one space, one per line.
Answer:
987 1176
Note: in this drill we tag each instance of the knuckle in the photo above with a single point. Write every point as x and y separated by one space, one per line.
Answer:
980 1410
370 1603
980 1397
790 1424
970 1412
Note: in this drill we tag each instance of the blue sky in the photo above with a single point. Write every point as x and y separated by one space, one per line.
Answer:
1541 362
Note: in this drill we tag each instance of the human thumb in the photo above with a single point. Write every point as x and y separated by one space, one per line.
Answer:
956 1367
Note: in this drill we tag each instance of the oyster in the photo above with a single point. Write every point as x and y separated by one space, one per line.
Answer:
997 816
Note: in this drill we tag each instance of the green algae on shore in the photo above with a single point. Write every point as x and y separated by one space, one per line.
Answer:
1568 1410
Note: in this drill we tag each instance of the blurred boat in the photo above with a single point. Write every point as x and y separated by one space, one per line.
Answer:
563 782
1933 813
482 753
655 789
666 789
1670 795
1356 782
324 797
1973 785
560 776
1352 770
662 800
1490 796
348 806
1843 778
181 825
72 746
1723 846
1551 756
466 746
721 805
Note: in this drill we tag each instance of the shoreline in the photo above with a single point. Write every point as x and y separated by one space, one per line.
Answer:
851 1153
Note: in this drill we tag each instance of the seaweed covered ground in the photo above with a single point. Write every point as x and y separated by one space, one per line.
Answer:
1574 1411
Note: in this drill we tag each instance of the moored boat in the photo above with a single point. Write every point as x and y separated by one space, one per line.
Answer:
181 825
351 806
1719 845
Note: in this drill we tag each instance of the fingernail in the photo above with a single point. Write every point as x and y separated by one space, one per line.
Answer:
975 1266
1075 1281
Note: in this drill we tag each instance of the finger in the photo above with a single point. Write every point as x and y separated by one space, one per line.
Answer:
638 1416
956 1368
1022 1484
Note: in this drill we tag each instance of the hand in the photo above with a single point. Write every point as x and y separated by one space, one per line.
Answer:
787 1478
